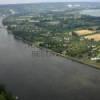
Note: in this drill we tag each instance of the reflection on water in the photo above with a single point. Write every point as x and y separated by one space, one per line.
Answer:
32 75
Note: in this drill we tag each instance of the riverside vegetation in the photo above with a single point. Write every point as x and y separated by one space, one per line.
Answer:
4 95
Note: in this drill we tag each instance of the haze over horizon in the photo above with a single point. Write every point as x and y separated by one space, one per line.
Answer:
42 1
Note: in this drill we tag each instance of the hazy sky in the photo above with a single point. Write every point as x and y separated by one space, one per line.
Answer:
34 1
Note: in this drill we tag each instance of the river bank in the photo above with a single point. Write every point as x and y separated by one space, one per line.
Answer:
86 62
62 55
74 58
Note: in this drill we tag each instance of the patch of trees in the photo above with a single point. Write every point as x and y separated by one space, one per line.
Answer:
4 95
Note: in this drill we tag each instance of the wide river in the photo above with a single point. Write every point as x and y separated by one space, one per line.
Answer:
35 74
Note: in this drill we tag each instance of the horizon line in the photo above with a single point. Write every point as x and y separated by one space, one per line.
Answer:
50 2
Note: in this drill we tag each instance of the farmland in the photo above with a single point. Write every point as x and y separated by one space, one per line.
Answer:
84 32
95 37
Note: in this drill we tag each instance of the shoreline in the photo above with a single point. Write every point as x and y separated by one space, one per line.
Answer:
61 55
57 54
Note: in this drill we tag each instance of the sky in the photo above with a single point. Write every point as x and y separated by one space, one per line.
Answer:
38 1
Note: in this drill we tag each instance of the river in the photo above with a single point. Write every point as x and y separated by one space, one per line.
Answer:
91 12
35 74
